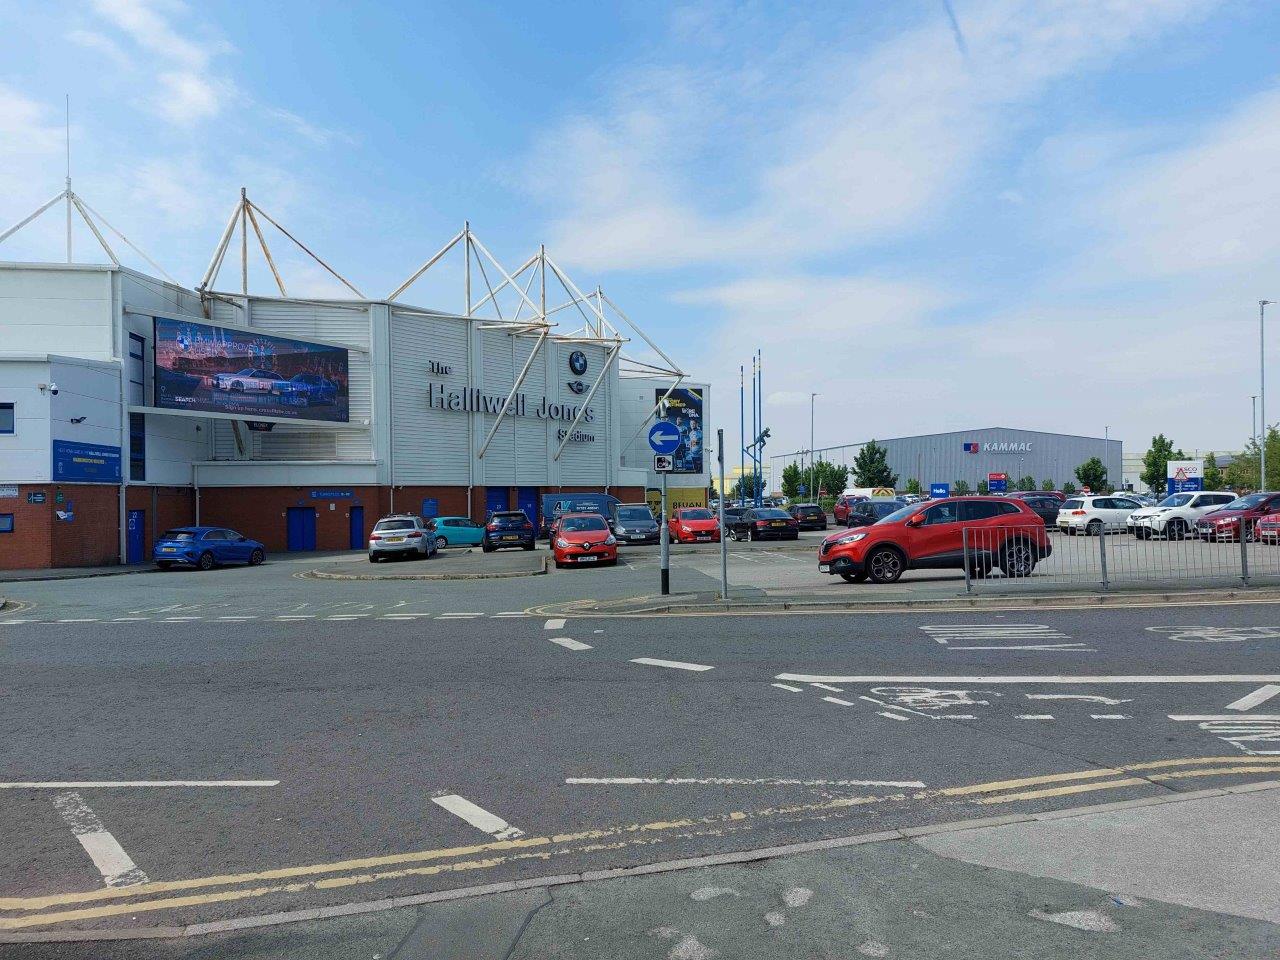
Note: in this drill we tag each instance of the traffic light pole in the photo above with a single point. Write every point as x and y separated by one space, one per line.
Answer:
664 537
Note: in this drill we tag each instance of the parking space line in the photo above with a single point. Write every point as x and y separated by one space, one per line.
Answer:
1208 718
79 620
673 664
478 817
823 686
1110 716
100 784
891 716
116 867
570 644
787 686
838 701
554 624
1033 716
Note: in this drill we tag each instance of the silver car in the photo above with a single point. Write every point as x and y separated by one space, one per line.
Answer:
401 535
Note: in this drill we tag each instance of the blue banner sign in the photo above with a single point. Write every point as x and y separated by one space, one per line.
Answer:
939 491
333 494
85 462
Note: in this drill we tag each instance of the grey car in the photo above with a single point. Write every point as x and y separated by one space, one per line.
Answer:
402 536
633 523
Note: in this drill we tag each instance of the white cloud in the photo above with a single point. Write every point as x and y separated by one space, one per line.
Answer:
148 24
92 40
187 99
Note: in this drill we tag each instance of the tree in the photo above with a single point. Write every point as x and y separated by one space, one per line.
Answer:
1027 483
791 480
1242 472
1069 489
1212 475
1156 463
1047 485
832 477
744 488
984 487
913 486
712 490
1092 474
960 488
871 467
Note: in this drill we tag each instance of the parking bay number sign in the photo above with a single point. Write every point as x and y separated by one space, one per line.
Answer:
664 438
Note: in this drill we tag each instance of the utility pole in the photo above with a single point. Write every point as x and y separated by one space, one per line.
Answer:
813 454
724 543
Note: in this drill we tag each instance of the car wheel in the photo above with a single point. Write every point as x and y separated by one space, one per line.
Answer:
854 577
206 561
884 565
1018 559
486 548
751 535
256 558
373 558
1093 528
1175 530
441 542
528 546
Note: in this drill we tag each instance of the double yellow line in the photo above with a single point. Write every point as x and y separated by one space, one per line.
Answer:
107 902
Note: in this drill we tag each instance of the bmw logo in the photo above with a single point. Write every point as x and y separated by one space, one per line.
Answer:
577 386
578 362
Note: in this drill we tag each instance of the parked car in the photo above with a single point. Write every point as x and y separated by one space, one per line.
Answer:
248 380
763 523
843 503
1268 529
507 528
1094 515
1176 515
733 513
1225 522
869 511
306 389
809 516
580 538
694 525
1002 532
1044 507
556 505
401 535
1024 494
634 523
457 532
205 548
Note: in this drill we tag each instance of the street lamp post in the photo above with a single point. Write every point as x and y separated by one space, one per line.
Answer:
813 458
1253 421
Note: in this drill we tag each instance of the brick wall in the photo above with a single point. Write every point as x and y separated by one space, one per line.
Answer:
165 508
28 546
262 513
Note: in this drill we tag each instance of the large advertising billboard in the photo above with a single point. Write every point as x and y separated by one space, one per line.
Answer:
683 409
206 368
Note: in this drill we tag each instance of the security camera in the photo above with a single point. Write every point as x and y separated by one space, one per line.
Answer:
53 389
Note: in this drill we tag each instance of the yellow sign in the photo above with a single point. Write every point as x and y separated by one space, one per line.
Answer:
677 497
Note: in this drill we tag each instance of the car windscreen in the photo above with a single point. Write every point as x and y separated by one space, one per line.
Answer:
1176 500
771 514
634 513
177 535
582 524
394 525
809 511
900 514
1072 504
696 515
508 519
883 510
1246 503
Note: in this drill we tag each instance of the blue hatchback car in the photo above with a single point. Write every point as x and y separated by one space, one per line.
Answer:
205 548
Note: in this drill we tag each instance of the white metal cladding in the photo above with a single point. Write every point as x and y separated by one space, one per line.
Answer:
532 452
584 463
497 373
428 445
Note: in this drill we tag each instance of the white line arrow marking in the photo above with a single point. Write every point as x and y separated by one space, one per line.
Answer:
1251 700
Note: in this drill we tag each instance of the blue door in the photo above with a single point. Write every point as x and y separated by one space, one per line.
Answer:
136 544
496 498
527 500
358 541
301 529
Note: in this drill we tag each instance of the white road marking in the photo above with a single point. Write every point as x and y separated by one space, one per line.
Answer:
1071 647
2 622
554 624
1208 717
128 619
1247 733
945 633
1075 679
823 686
891 716
354 617
117 869
458 616
238 618
511 613
178 619
1033 716
1110 716
734 782
98 784
297 616
570 644
1251 700
838 701
787 686
1090 698
478 817
673 664
79 620
894 706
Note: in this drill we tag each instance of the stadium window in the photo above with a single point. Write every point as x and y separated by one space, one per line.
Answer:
6 418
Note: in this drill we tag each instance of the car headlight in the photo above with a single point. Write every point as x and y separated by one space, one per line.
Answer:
609 541
848 538
621 529
562 543
685 530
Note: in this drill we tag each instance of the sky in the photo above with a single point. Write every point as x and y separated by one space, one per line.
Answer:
1047 214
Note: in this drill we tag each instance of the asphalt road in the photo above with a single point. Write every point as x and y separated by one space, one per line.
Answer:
326 742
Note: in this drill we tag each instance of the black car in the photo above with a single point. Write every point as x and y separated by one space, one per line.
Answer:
633 523
866 512
507 528
1046 508
763 523
809 516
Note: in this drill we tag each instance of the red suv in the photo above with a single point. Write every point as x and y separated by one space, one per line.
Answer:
1001 532
843 503
1224 523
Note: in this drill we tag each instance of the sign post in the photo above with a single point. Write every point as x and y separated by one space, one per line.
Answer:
1184 476
997 482
664 439
724 541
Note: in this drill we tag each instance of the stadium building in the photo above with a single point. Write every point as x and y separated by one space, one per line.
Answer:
131 404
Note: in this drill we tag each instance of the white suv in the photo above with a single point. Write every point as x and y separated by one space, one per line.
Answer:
1175 516
1092 515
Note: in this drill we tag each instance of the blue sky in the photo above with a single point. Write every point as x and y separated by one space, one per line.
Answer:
1061 219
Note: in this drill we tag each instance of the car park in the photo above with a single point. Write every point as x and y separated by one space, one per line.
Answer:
870 511
694 525
763 523
634 523
205 548
1245 512
1176 515
457 532
1092 515
401 536
1001 532
583 538
507 528
809 516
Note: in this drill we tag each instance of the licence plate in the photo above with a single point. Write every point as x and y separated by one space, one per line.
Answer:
168 549
395 539
707 537
635 536
587 559
510 538
778 523
824 568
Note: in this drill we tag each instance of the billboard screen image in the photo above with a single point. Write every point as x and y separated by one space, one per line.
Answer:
684 411
206 368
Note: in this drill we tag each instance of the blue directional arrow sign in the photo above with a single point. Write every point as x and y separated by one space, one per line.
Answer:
664 437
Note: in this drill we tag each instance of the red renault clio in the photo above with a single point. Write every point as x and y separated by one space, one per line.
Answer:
1002 532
